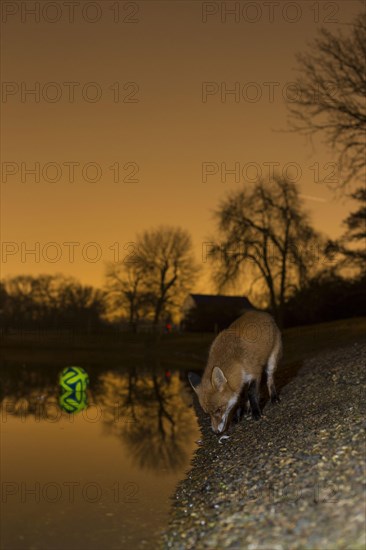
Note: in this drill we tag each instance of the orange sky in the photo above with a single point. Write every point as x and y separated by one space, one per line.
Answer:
166 52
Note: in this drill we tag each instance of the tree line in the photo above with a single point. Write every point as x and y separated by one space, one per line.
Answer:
263 237
264 242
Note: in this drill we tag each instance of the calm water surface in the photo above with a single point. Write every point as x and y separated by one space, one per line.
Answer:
100 478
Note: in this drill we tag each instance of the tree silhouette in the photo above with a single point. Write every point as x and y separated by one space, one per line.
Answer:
166 256
50 302
351 245
326 297
126 290
158 276
265 234
330 97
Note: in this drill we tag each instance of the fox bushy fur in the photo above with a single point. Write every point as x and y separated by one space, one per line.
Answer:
237 357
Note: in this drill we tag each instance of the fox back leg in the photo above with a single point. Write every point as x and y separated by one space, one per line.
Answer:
253 393
270 369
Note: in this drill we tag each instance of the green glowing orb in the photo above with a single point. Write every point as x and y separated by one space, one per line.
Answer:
74 379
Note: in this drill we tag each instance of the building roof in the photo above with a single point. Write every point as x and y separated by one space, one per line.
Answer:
220 300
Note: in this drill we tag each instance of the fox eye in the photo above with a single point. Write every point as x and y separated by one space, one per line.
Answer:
218 411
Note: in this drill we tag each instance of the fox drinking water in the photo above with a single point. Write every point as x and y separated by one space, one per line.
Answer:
237 358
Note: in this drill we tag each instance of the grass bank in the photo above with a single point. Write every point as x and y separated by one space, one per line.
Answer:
180 350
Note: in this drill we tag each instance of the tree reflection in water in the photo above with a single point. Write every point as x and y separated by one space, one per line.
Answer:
150 415
147 411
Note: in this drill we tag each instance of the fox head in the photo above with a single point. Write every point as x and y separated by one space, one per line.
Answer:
215 397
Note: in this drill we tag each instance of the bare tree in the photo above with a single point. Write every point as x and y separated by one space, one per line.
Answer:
125 289
265 234
330 95
157 277
166 257
51 301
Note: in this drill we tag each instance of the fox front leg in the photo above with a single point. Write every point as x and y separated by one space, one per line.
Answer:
243 408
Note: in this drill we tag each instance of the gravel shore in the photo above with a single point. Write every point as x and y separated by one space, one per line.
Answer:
294 479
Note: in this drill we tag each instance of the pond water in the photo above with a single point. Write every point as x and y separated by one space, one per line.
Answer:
99 478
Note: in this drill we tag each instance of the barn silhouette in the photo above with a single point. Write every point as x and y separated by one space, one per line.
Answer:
212 312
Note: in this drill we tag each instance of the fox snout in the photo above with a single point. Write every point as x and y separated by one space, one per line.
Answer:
218 425
219 422
216 399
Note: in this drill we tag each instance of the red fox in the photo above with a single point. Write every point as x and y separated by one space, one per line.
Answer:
238 357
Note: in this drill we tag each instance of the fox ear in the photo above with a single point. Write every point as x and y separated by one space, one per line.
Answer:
194 380
218 379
